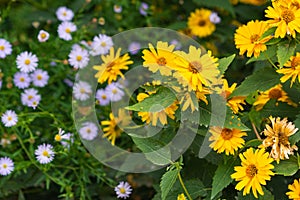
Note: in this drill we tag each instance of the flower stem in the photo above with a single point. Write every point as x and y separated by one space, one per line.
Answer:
255 131
183 186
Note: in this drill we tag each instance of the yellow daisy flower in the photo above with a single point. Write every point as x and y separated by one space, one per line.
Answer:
181 197
225 139
112 66
254 2
195 69
295 190
248 38
255 170
275 92
200 24
159 59
277 138
162 115
285 17
291 70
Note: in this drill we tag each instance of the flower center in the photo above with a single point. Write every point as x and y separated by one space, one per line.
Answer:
251 171
287 16
161 61
2 48
45 153
88 130
30 97
82 90
43 35
68 30
110 66
114 91
295 62
254 38
79 58
9 118
22 79
27 62
57 137
103 44
104 97
283 139
202 23
39 77
64 13
195 67
226 134
296 4
122 190
275 94
4 166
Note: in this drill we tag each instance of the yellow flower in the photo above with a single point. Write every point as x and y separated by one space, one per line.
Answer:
112 66
254 2
295 190
162 115
225 139
160 59
113 131
291 70
181 197
200 24
248 38
195 70
275 92
277 138
286 17
255 170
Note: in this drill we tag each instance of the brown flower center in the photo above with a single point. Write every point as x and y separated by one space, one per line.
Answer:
251 171
110 66
287 16
88 130
254 38
195 67
161 61
275 94
283 139
104 97
2 48
226 133
296 4
295 62
202 23
22 79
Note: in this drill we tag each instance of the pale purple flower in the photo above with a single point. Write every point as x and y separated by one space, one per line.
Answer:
102 97
101 45
88 131
30 98
176 43
123 190
214 18
144 8
79 57
134 47
117 8
27 62
44 153
6 166
9 118
5 48
21 80
64 14
114 91
82 90
39 78
65 29
43 36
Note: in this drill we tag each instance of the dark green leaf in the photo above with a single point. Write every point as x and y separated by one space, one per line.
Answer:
285 51
296 137
287 167
167 182
265 55
225 62
225 4
253 143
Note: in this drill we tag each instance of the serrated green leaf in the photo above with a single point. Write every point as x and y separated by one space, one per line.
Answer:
253 143
155 102
222 177
284 51
265 55
167 181
225 4
296 137
267 195
261 80
278 109
287 167
225 62
269 32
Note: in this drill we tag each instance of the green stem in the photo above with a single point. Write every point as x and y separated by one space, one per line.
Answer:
183 186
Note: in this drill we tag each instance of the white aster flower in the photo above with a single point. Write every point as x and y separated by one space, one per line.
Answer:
43 36
78 58
64 138
64 14
114 91
30 98
214 18
9 118
65 29
5 48
88 131
102 97
27 62
117 8
22 80
6 166
39 78
134 47
44 153
101 45
123 190
82 90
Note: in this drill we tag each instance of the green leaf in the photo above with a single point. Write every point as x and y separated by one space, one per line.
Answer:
287 167
155 102
225 62
278 109
253 143
225 4
177 25
167 182
262 80
285 50
222 177
265 55
296 137
267 195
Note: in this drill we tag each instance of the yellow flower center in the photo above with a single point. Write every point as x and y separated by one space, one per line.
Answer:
4 166
202 23
2 48
161 61
68 30
27 62
103 44
82 90
122 190
275 94
287 16
104 97
43 35
195 67
64 13
79 58
30 97
39 77
226 134
88 130
114 91
45 153
295 62
251 171
57 138
254 38
9 118
22 79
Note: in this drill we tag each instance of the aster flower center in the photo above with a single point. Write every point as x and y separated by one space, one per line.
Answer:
114 91
2 48
43 35
104 97
39 77
27 62
4 166
254 38
57 137
68 30
9 118
161 61
195 67
79 58
275 94
295 62
287 16
30 97
122 190
202 23
103 44
82 90
226 134
45 153
88 130
251 171
22 79
64 13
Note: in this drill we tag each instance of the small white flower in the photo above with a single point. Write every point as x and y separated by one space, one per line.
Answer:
6 166
82 90
9 118
39 78
88 131
27 62
64 14
22 80
44 153
114 91
30 98
102 97
123 190
101 45
117 8
5 48
134 47
64 138
214 18
79 58
43 36
65 29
